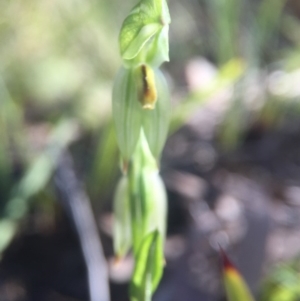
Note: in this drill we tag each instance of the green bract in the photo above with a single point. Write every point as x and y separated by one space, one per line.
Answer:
130 117
138 34
122 223
148 269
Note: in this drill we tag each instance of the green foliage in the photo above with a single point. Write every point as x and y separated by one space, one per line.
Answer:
141 111
228 75
56 65
54 68
282 283
140 203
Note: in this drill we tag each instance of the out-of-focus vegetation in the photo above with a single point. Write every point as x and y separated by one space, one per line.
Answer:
57 63
283 283
262 36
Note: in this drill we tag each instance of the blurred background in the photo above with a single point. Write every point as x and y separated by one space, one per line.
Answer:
231 164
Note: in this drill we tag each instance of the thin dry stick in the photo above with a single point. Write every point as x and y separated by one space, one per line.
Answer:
78 206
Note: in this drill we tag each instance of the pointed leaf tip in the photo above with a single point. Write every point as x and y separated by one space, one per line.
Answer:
235 286
227 264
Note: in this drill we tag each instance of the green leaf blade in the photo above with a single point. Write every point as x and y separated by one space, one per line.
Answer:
235 286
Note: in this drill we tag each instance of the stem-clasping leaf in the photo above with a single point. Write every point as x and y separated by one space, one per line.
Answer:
235 286
122 222
145 20
148 268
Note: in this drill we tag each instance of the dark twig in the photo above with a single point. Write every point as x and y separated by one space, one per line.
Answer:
78 206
